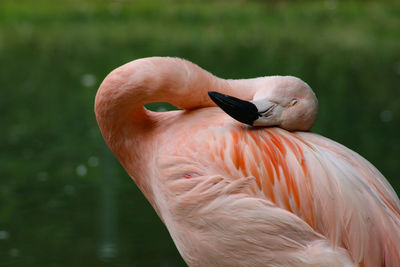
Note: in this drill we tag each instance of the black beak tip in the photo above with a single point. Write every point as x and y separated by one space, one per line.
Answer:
214 95
241 110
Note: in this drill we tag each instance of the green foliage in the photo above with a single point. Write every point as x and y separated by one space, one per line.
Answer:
62 196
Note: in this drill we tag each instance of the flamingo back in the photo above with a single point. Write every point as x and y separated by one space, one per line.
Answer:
336 191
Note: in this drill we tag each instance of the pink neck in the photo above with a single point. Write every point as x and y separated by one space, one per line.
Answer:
120 98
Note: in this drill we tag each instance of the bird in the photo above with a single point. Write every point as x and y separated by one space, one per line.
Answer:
235 174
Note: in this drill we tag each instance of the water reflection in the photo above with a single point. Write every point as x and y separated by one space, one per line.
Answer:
386 115
14 252
4 235
81 170
107 247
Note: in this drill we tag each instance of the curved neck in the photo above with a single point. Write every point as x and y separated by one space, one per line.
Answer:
120 98
127 126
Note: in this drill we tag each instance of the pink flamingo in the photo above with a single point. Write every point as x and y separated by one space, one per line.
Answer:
234 195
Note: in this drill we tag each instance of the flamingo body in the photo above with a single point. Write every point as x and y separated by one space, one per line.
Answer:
234 195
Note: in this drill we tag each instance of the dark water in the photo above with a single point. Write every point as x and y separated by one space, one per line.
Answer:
65 201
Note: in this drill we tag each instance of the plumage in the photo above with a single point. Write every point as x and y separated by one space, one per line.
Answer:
234 195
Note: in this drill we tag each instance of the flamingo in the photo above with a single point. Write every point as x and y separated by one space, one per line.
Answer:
232 194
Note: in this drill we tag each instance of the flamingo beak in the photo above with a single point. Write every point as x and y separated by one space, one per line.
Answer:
241 110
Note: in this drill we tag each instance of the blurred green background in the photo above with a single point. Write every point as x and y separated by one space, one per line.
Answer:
65 201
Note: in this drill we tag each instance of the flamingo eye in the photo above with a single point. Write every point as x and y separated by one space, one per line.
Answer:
293 102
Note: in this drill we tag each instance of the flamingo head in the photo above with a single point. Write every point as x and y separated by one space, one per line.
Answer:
283 101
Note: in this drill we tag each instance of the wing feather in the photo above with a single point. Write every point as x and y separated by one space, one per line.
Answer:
336 191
